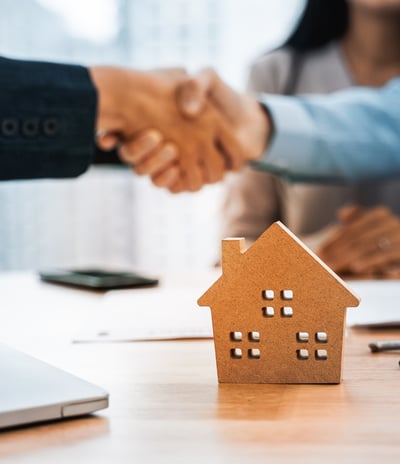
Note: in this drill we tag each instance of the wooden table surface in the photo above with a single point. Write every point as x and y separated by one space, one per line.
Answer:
166 404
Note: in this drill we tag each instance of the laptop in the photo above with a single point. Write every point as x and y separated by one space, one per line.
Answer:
33 391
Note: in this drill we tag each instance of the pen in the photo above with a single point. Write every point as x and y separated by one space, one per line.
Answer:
377 347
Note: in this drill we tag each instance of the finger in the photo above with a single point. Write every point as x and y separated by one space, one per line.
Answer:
191 177
344 258
392 272
178 186
374 238
379 255
158 161
213 164
222 95
107 141
230 147
193 180
389 228
167 178
369 218
139 147
349 235
377 262
346 215
350 213
192 95
191 171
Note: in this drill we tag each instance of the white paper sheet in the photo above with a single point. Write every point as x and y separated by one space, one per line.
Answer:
380 304
172 313
149 314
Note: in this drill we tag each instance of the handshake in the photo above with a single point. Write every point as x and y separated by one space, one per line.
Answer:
183 131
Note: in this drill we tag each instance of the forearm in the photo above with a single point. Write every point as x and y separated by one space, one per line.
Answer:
350 136
47 120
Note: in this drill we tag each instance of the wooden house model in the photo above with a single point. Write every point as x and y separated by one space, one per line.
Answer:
278 312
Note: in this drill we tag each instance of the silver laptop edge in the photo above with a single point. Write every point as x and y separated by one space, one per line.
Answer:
33 391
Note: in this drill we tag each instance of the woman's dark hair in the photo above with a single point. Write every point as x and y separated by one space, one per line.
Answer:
321 22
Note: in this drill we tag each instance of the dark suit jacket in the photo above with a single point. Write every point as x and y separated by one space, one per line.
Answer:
47 120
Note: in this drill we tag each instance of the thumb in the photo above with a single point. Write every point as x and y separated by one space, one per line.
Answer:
191 96
193 93
228 101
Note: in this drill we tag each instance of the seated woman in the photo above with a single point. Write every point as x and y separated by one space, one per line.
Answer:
336 44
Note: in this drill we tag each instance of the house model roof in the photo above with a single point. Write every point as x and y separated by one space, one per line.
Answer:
275 249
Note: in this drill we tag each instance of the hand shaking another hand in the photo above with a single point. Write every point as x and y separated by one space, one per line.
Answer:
183 132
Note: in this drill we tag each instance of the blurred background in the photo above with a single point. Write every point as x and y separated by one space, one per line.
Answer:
109 217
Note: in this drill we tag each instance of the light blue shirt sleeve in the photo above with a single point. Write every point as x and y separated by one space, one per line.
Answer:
349 136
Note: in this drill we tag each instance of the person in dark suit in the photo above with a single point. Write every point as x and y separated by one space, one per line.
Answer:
47 119
49 114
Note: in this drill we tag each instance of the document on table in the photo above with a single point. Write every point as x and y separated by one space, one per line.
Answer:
380 304
149 314
172 313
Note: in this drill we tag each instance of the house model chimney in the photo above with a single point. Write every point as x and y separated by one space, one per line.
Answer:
232 249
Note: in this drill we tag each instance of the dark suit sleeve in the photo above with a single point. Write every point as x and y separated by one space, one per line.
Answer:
47 120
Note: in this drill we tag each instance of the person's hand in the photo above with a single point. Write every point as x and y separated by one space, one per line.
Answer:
366 243
131 101
247 122
247 118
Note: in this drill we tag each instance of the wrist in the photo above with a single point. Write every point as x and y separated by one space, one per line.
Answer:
261 130
109 83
